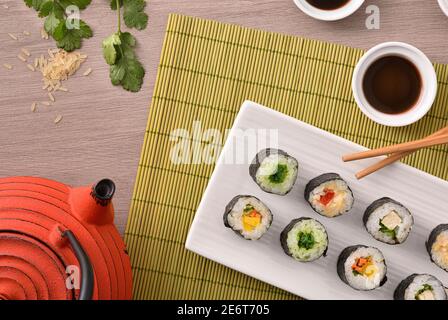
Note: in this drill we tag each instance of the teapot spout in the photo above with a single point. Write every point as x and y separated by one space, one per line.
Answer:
93 204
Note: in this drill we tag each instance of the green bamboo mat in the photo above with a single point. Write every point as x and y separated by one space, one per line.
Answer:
207 70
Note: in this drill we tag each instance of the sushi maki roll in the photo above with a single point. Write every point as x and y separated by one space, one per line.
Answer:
248 217
388 221
304 239
329 195
420 287
274 171
362 267
437 246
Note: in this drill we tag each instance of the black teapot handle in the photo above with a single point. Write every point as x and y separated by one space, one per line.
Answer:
88 279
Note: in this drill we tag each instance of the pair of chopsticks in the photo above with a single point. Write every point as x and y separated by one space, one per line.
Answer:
396 152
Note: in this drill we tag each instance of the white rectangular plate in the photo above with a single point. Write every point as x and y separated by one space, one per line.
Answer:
317 152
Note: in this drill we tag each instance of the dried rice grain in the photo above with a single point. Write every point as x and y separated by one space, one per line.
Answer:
26 33
51 97
25 52
13 37
30 67
33 107
58 119
7 66
46 103
22 58
88 71
63 89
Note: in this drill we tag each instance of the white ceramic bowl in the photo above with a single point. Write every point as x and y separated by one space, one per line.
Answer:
429 83
444 6
329 15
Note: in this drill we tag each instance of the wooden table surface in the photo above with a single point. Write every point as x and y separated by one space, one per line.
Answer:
103 126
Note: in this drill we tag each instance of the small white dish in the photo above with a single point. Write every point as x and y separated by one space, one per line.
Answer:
427 73
444 6
329 15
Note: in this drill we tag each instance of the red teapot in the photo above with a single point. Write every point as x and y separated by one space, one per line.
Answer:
59 242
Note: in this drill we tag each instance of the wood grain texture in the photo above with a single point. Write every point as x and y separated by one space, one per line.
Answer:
103 126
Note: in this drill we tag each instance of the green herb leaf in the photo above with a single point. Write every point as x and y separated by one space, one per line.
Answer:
280 174
306 240
248 208
424 288
109 51
126 70
133 13
56 21
70 39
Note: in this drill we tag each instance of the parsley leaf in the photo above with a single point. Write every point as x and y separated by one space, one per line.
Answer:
56 20
133 13
125 69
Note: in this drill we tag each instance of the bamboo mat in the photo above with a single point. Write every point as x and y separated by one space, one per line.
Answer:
207 70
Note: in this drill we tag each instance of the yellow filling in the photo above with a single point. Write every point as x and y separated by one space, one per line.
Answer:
251 220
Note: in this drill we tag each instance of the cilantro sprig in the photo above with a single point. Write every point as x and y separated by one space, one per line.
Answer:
118 48
54 12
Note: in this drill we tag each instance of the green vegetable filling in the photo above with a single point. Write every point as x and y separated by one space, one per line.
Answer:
280 174
248 208
424 288
390 233
306 240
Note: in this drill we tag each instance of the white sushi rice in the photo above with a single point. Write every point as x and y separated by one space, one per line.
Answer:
235 218
417 284
269 166
439 250
362 282
341 203
403 229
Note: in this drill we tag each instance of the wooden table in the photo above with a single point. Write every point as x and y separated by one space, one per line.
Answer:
103 126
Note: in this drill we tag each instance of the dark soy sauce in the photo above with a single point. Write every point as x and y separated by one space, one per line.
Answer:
328 4
392 84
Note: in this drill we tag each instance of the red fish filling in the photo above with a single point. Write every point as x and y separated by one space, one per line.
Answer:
326 198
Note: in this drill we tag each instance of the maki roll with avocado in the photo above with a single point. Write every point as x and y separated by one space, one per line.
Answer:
388 221
420 287
437 246
274 171
248 217
329 195
304 239
362 267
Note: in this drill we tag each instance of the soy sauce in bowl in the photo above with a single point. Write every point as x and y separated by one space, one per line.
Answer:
392 84
328 4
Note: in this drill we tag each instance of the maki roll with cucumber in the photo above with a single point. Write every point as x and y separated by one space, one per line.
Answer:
420 287
304 239
388 221
437 246
274 171
329 195
362 267
248 217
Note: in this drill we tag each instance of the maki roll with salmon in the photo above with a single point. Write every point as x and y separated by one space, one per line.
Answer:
329 195
274 171
248 217
388 221
362 267
420 287
304 239
437 246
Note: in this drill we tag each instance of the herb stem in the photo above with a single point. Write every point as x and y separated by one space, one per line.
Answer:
119 16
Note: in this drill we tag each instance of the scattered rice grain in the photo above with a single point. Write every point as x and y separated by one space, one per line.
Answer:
26 33
46 103
50 95
36 63
5 6
22 58
44 34
58 119
88 71
33 107
63 89
13 37
25 52
7 66
30 67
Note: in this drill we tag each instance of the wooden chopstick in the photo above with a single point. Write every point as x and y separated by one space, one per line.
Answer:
394 157
402 147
